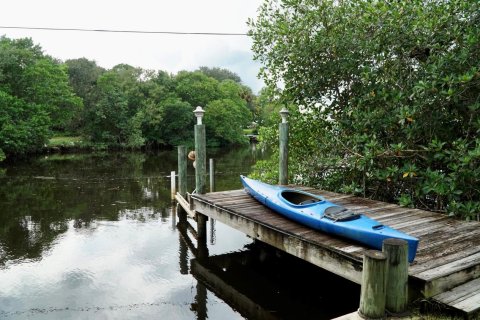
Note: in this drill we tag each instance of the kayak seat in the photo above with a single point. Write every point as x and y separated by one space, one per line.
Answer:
308 201
299 198
337 213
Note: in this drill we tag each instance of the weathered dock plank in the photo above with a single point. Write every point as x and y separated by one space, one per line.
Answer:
464 298
427 228
448 253
441 258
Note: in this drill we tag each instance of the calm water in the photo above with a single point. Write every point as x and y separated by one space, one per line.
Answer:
93 236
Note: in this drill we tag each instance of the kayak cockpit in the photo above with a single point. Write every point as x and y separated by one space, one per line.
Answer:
299 198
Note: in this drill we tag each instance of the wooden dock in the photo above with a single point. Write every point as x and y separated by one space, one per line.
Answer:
446 268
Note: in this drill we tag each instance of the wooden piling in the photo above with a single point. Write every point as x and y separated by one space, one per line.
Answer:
173 215
182 170
397 275
201 226
212 174
200 158
283 165
372 296
173 188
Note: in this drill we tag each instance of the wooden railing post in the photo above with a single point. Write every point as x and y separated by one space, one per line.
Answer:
397 275
283 136
182 170
372 296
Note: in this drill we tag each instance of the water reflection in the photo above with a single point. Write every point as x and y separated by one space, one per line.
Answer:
40 197
95 236
264 283
121 266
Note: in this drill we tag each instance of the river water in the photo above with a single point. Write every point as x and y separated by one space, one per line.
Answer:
94 236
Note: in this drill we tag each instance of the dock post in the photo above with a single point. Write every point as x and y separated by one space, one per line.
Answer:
372 296
397 275
202 248
201 226
173 215
200 152
200 172
173 187
182 170
212 174
283 136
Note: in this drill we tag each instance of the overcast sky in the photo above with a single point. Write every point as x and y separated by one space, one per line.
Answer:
171 53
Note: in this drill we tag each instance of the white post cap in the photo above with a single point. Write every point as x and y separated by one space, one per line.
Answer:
284 114
199 114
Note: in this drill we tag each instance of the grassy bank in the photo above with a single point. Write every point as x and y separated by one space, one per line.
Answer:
77 143
66 142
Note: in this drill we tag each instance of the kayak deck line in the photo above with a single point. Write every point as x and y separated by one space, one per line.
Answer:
448 253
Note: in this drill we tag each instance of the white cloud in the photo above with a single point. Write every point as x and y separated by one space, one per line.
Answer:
150 51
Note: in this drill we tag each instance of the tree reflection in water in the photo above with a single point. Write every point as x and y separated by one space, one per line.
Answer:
95 234
39 197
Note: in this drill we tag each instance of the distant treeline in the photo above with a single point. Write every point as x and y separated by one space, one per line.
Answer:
125 106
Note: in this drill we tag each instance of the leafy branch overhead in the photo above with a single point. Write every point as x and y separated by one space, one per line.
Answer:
389 93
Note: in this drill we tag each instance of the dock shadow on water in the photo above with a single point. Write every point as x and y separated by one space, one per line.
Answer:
262 282
94 236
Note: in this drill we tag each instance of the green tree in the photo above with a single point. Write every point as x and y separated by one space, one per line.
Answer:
168 123
25 72
196 88
389 93
24 127
34 94
15 56
46 82
160 86
83 75
225 120
220 74
267 108
114 119
228 116
177 125
167 120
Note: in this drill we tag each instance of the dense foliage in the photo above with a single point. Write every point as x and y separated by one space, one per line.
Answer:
35 97
121 107
389 94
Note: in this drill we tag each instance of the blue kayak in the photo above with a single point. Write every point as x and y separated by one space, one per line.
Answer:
318 213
